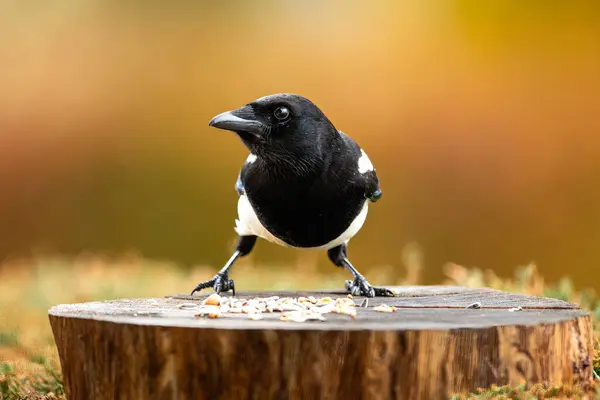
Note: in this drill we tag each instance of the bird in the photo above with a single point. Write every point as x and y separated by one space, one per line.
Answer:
304 185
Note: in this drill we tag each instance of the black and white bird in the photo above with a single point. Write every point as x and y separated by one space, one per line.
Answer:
304 185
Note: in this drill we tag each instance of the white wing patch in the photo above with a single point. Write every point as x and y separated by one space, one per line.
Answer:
364 164
251 158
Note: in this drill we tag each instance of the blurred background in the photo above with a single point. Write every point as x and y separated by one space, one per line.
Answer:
482 119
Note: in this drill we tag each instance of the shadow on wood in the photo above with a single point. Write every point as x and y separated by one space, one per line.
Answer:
429 347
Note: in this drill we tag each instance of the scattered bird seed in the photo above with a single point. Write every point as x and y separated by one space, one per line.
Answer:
345 302
384 308
225 308
325 300
207 310
212 300
474 305
298 316
519 308
292 317
292 309
344 310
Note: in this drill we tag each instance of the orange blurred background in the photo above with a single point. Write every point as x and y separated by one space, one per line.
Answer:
482 119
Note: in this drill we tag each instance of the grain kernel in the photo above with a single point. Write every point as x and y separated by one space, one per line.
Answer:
384 308
212 300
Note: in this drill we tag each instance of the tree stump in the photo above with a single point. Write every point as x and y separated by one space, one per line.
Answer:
436 343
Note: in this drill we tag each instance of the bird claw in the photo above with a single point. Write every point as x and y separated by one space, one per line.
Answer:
383 292
220 283
360 287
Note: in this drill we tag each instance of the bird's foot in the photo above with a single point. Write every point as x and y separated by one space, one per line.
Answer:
360 287
220 283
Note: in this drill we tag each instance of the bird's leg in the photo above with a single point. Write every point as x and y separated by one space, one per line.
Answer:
359 286
221 282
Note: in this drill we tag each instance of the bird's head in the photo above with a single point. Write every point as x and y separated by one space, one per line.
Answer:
280 128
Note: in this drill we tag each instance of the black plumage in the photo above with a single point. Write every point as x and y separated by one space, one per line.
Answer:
305 184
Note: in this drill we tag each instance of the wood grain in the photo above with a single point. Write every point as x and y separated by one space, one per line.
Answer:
429 348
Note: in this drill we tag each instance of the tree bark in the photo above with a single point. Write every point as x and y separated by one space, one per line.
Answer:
431 347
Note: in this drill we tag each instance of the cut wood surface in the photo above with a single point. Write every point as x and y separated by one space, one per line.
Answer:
430 347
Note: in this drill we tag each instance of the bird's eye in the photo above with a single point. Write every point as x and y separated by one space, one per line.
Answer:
281 113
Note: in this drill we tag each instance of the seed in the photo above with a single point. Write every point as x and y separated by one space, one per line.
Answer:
345 302
384 308
249 310
204 310
292 316
291 307
325 300
344 310
256 317
225 308
288 302
212 300
323 309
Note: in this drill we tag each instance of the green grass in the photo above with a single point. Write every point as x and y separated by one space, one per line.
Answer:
533 392
9 338
29 366
42 385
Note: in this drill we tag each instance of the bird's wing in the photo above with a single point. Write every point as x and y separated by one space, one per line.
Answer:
370 182
367 175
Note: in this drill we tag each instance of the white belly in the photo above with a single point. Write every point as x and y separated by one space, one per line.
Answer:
248 224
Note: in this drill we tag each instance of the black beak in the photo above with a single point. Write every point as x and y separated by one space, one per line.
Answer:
240 120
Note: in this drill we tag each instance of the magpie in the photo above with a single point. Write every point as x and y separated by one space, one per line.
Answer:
305 185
